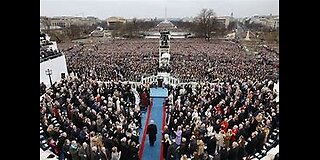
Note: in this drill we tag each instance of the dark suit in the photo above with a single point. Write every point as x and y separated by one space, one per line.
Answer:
172 150
96 155
184 149
233 154
224 154
241 152
165 148
193 146
133 153
211 144
152 131
82 152
260 141
124 151
251 146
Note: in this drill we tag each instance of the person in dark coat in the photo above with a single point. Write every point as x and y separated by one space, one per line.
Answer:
152 132
241 150
224 154
144 99
84 152
172 150
211 145
193 145
184 147
233 152
187 134
166 143
61 140
95 154
65 149
252 144
260 138
124 148
83 135
241 131
133 152
73 150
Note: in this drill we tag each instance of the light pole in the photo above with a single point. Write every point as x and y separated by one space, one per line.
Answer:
49 73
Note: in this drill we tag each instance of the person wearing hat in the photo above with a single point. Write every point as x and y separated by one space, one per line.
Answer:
152 132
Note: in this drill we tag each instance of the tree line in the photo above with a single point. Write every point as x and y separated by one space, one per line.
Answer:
204 25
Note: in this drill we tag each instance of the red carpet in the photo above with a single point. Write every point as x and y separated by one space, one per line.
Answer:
145 131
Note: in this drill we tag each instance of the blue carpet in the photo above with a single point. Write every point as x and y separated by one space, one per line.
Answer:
153 153
158 92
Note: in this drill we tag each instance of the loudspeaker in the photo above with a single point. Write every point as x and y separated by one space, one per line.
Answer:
63 75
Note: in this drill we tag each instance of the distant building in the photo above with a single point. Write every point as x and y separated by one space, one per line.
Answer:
53 25
224 20
165 25
187 19
67 21
276 23
268 21
84 21
60 23
112 22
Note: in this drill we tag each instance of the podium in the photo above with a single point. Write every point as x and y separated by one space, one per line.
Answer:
160 82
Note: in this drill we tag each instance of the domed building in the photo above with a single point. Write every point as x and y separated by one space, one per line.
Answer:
165 26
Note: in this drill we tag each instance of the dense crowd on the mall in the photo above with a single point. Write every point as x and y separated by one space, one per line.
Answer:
93 116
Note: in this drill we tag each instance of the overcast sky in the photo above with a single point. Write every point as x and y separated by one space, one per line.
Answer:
155 8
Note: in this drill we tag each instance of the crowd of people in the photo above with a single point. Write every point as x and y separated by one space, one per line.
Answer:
94 120
126 60
199 60
191 60
232 119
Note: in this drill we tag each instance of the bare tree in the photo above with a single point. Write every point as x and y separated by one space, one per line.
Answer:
134 24
206 23
47 24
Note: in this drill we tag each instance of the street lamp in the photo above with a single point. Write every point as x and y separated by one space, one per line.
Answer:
49 73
